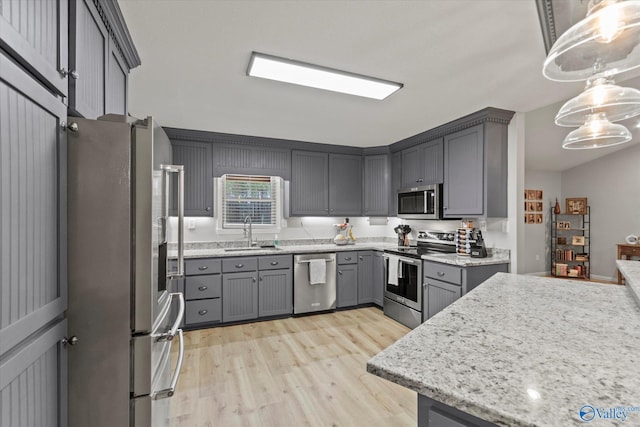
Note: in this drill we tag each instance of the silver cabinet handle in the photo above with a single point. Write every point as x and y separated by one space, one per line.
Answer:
203 268
208 209
261 278
440 273
203 312
73 126
71 340
424 285
239 265
348 258
340 273
254 279
168 336
360 258
274 262
179 169
203 288
73 73
168 392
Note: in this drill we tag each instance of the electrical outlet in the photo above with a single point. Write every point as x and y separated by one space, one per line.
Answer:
537 257
191 225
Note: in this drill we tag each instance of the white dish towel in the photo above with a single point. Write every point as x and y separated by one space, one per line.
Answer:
317 271
394 261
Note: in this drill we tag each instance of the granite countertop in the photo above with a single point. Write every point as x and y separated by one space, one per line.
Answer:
214 249
631 272
526 351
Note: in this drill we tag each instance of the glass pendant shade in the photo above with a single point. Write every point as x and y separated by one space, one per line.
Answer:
597 132
600 96
603 44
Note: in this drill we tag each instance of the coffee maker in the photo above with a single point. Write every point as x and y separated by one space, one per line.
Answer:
403 231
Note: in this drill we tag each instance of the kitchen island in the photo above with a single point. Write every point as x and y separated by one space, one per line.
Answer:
524 351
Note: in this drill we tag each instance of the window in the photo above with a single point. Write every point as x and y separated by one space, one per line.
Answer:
259 197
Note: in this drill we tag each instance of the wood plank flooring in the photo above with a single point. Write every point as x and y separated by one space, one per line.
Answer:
300 371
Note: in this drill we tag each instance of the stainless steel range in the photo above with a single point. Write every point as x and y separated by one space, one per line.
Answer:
403 275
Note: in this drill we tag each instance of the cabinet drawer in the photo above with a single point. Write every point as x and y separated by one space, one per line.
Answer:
233 265
347 257
201 311
446 273
201 287
275 262
193 267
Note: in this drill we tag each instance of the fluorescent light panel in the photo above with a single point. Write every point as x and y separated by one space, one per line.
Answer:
300 73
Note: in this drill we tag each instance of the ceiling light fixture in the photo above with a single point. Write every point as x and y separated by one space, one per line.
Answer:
301 73
603 44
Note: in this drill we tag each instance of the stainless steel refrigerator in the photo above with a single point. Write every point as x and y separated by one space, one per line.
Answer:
123 313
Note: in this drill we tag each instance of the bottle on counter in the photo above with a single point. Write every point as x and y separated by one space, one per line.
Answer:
275 240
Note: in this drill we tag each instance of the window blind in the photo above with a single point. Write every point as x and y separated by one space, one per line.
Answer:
249 195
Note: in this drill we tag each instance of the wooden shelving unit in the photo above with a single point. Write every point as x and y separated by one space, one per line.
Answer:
571 245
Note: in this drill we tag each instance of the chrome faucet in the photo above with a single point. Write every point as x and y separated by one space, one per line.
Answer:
250 233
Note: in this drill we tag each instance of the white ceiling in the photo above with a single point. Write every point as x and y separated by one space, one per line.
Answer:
454 57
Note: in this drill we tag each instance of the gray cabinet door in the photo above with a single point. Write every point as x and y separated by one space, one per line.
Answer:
396 182
378 278
365 277
88 56
412 165
463 190
432 156
35 32
33 218
251 160
198 178
275 293
347 285
33 381
377 182
239 296
439 296
116 82
309 183
345 184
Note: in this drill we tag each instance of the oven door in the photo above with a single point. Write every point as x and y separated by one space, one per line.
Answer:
408 290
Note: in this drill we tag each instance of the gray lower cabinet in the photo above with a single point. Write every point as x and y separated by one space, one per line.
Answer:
443 283
309 183
345 184
432 413
475 172
347 279
198 177
240 296
376 185
275 293
202 288
378 278
365 277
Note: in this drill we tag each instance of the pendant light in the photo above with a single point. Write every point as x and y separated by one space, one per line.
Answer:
605 43
597 132
600 95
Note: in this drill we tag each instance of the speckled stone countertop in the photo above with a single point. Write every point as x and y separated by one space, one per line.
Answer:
525 351
215 249
631 272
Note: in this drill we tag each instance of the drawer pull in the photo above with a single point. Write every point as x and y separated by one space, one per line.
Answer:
274 262
360 258
203 312
202 268
254 279
239 265
440 273
340 273
347 258
203 288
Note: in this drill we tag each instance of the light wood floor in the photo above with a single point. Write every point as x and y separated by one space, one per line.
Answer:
301 371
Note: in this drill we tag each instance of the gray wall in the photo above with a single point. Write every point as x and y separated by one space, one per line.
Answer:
612 185
536 236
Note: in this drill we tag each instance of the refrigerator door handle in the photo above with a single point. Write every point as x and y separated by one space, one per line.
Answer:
168 392
179 169
168 336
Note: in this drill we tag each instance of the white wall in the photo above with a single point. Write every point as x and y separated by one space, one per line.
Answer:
612 185
536 251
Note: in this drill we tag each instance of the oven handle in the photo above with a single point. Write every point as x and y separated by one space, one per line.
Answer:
169 335
168 392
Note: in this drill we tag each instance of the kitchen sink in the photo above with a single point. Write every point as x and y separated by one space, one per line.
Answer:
252 248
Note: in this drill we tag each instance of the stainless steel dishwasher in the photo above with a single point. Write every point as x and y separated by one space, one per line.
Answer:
308 298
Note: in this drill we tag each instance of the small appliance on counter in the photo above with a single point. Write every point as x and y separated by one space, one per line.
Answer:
344 233
469 242
403 231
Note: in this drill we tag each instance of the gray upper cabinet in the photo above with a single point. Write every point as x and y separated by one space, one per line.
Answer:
35 32
309 183
475 168
198 178
422 164
251 160
345 184
116 83
396 182
376 185
88 55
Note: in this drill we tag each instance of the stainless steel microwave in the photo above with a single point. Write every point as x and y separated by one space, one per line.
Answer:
423 202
